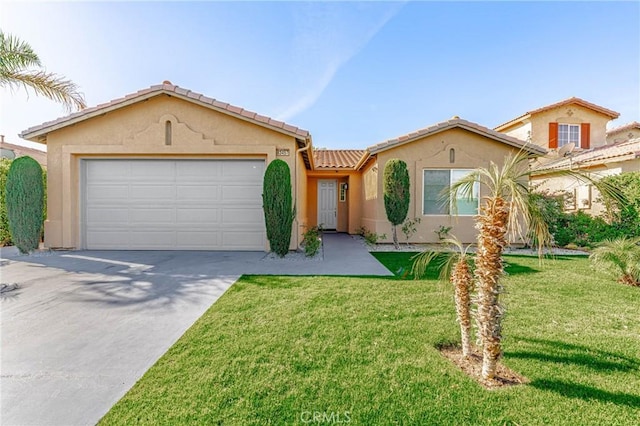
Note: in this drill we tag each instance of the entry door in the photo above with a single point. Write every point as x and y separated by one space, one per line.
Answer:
327 205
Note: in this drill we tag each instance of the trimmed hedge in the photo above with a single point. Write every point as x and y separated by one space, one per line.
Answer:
5 235
25 203
277 206
396 193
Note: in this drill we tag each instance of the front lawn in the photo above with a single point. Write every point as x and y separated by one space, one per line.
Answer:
309 350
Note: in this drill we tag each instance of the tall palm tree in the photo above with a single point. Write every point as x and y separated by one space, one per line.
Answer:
507 211
455 268
620 257
19 68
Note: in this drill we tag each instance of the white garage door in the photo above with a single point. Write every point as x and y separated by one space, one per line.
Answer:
173 204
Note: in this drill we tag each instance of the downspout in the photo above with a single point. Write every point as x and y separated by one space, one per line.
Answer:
299 151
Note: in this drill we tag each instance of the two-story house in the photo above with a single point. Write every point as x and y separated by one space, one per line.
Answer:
574 132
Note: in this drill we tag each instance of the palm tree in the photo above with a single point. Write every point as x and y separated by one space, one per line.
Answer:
17 63
506 211
454 267
620 257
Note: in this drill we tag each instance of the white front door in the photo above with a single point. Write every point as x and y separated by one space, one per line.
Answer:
327 206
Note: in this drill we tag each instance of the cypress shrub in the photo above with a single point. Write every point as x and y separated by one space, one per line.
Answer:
396 193
25 203
277 206
5 236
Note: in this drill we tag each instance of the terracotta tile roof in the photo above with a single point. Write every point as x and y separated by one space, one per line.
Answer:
337 158
460 123
19 150
570 101
624 128
621 151
33 133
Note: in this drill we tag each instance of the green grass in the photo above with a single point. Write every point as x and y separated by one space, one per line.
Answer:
275 349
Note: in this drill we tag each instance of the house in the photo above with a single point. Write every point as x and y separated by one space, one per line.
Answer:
571 121
11 151
624 133
574 132
168 168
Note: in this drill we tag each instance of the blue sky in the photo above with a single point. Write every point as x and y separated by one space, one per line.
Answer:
354 74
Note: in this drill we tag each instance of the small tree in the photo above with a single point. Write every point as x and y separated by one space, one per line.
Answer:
620 257
25 203
277 206
455 267
396 194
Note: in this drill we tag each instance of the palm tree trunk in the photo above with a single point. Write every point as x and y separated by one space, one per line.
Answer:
462 281
492 227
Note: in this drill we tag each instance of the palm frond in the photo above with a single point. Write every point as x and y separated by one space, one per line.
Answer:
16 54
46 84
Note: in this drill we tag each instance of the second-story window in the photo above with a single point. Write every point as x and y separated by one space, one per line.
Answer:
568 133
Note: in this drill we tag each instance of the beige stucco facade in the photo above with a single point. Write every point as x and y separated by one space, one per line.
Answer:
535 128
139 131
470 150
170 123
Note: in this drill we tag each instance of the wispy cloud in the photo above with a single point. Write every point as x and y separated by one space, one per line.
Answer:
327 36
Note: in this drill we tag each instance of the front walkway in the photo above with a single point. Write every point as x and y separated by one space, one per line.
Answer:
83 326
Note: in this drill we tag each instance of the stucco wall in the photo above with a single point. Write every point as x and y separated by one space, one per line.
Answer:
433 152
139 131
348 211
623 136
569 114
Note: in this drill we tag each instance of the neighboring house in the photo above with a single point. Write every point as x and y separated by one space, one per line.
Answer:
613 159
167 168
572 121
574 131
11 151
624 133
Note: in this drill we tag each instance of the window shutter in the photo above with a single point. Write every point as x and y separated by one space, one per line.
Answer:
585 135
553 135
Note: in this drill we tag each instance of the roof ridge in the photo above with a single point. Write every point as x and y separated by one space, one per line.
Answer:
169 88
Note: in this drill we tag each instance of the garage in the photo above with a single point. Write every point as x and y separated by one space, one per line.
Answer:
148 204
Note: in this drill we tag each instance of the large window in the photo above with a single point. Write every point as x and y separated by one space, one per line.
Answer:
434 182
568 133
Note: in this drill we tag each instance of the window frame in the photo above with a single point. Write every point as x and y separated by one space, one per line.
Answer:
577 142
451 200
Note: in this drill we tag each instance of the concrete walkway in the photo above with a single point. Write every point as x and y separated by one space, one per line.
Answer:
83 326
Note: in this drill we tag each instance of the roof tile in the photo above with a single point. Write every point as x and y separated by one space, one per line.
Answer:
35 132
621 151
337 158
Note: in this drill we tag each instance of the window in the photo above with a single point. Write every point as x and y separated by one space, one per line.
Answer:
568 133
434 182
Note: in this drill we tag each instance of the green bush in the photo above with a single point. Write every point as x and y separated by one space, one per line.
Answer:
396 193
277 206
311 241
25 203
5 235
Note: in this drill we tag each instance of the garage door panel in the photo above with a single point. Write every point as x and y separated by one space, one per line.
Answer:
198 240
242 193
153 238
198 192
198 216
155 217
107 192
101 216
242 216
200 171
241 240
153 192
174 204
153 171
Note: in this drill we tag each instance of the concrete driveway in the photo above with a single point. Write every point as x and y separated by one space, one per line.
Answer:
83 326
